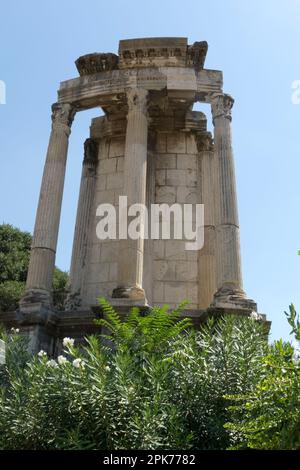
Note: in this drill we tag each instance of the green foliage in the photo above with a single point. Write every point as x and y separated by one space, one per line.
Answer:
14 253
268 417
60 282
16 358
152 383
143 333
294 322
14 260
10 294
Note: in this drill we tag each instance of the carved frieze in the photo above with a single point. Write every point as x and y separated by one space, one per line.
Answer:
196 55
98 62
153 52
164 52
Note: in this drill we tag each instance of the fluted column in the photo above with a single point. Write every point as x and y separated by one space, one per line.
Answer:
135 166
206 256
229 276
86 193
42 258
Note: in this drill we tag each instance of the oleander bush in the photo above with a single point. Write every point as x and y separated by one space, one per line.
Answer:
150 382
153 382
268 416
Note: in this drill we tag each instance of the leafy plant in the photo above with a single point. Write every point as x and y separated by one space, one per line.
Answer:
148 381
268 417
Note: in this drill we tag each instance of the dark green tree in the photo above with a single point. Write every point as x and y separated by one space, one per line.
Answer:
14 260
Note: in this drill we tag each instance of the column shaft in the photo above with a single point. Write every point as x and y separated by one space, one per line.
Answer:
206 256
135 166
42 258
85 199
229 276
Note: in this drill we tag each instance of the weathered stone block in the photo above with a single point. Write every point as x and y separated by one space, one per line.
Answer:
107 166
164 161
99 271
191 178
176 177
120 164
164 270
101 183
160 177
175 292
165 194
175 250
187 195
176 142
116 147
113 271
114 181
187 162
106 196
109 251
158 249
161 143
191 146
192 292
158 291
186 270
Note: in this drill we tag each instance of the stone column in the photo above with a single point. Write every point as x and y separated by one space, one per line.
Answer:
150 199
206 256
86 195
42 258
229 277
135 166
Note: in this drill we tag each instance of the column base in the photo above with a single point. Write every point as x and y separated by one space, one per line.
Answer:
228 297
37 320
133 293
219 312
33 296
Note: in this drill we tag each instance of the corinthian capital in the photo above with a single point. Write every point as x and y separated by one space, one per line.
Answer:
62 114
90 152
205 142
137 100
221 105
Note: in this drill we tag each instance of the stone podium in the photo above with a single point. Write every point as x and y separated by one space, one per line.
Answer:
152 147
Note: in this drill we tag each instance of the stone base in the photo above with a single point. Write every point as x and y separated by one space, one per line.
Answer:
46 328
218 312
229 298
37 323
131 293
34 296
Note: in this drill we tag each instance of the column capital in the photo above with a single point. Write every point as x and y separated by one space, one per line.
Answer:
63 115
137 100
221 105
90 152
205 142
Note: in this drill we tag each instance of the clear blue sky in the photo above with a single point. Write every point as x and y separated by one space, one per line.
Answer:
257 45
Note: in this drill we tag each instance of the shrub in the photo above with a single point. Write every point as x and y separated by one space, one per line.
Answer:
151 382
268 417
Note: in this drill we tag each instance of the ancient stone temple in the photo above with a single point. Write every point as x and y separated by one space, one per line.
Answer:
152 147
